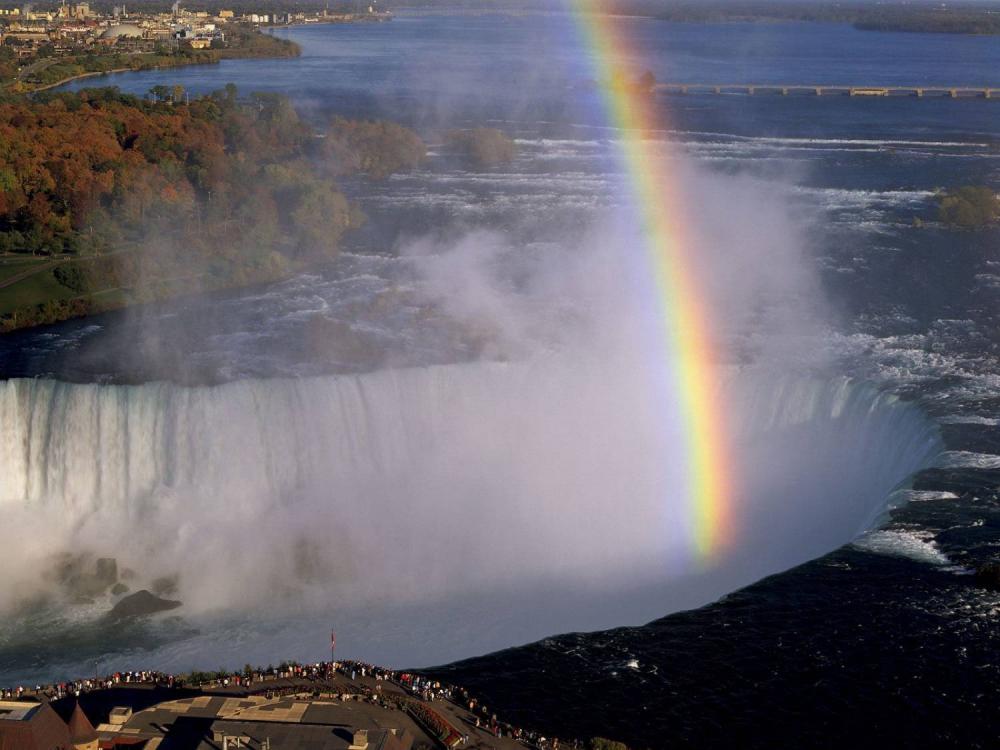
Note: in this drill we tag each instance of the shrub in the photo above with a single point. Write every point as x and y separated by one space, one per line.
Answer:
969 206
482 147
378 149
602 743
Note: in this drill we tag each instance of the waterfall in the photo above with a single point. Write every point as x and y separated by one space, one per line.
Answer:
427 482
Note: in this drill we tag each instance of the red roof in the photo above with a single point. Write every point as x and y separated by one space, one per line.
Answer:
80 728
41 730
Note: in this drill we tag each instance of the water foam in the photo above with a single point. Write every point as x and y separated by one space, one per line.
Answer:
454 498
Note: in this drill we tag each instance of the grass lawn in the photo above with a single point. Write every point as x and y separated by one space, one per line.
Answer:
34 290
15 265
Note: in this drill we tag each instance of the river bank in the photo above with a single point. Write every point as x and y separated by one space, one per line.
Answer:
48 73
53 307
215 59
91 74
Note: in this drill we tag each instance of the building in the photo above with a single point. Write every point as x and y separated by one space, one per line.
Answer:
81 731
32 726
216 722
122 31
286 736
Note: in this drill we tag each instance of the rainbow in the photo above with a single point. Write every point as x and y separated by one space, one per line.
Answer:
684 320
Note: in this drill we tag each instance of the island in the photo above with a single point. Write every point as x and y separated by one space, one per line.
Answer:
969 206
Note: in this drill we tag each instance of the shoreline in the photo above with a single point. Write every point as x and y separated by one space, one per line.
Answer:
89 74
185 64
85 306
177 60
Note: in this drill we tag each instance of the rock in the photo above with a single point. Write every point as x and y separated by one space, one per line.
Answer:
67 567
82 577
165 586
988 576
118 589
107 570
139 604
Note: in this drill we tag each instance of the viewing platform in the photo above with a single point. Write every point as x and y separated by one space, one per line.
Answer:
772 89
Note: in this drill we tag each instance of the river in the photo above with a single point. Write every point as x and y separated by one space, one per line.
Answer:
883 330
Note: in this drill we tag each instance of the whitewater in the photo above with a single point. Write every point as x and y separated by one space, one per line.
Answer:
453 498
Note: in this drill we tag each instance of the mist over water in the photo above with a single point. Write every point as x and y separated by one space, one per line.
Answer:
536 489
400 488
502 464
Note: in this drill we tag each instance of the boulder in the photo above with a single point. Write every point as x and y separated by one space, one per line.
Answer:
140 604
83 578
107 570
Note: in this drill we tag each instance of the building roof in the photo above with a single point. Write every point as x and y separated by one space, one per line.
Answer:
37 727
80 728
294 736
122 30
18 710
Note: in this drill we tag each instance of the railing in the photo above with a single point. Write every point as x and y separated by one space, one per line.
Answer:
439 727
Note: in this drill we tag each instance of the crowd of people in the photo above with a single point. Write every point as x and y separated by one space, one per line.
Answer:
292 678
58 690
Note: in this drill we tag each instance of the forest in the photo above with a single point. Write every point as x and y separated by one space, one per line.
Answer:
132 200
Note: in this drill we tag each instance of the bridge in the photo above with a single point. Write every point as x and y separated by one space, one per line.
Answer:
775 89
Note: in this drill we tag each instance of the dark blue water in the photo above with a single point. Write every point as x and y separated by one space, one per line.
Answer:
433 69
886 641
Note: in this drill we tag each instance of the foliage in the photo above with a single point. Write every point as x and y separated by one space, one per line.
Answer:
218 192
482 147
378 149
601 743
244 41
969 206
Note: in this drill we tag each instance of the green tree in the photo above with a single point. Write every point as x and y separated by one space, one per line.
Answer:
969 206
482 147
602 743
378 149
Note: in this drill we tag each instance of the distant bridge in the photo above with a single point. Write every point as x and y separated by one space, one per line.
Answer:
774 89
